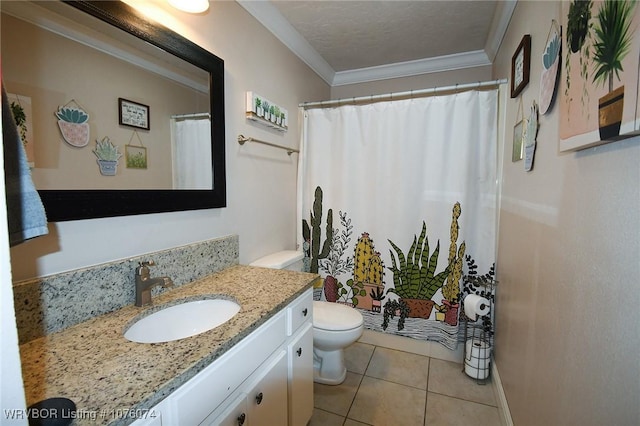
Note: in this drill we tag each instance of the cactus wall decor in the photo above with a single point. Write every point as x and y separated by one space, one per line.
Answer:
108 156
263 111
72 122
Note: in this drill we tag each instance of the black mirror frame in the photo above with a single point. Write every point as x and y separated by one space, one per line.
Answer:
65 205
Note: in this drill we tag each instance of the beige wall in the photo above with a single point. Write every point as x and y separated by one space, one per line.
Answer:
261 181
567 334
55 71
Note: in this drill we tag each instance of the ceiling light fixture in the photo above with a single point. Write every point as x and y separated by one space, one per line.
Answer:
190 6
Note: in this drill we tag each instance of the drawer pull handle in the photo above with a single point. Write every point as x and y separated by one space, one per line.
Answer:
305 312
259 398
241 418
299 351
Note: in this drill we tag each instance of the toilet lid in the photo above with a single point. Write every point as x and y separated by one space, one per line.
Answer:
335 316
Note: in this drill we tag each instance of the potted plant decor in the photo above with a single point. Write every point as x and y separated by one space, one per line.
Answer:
413 275
377 295
73 125
578 33
334 264
368 270
612 40
108 156
451 289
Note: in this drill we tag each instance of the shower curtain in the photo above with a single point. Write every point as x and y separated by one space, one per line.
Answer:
191 139
396 203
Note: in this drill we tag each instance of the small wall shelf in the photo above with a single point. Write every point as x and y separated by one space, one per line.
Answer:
265 112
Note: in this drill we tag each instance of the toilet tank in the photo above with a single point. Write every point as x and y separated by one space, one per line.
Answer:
288 259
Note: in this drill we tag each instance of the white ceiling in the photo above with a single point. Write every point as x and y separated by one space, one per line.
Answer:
347 42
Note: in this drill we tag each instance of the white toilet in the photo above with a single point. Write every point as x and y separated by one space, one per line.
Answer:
335 326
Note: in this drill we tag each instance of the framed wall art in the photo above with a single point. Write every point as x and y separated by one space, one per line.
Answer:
518 132
520 66
600 80
133 114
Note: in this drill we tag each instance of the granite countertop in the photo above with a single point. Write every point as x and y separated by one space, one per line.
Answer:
107 376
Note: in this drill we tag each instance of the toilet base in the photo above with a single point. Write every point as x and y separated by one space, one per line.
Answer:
329 367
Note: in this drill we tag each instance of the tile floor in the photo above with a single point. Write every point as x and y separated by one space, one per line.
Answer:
387 387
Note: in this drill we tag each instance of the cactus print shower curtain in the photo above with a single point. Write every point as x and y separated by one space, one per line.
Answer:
397 203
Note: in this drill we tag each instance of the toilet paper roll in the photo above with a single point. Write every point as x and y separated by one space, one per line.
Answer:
475 305
477 358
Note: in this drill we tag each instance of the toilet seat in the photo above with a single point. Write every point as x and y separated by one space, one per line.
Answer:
335 316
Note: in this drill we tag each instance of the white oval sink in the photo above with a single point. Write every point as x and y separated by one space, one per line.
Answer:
183 320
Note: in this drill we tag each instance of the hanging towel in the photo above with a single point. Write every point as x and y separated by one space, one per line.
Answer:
25 213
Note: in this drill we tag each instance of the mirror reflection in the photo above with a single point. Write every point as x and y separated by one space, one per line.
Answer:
102 109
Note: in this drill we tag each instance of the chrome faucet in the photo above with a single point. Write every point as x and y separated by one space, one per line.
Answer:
144 283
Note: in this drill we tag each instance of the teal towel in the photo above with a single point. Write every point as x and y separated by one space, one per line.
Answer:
26 217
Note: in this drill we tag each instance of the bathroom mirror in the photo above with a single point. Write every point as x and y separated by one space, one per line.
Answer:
137 122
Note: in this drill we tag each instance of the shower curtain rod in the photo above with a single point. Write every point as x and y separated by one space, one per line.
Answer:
194 115
411 93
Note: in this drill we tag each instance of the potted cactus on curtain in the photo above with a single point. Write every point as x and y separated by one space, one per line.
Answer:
368 271
451 289
414 277
612 40
334 265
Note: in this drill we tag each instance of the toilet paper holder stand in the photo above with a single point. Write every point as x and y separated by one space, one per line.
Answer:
478 354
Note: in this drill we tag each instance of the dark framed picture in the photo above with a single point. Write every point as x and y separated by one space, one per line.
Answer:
520 64
133 114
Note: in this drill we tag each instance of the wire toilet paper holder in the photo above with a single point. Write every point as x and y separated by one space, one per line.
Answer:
478 335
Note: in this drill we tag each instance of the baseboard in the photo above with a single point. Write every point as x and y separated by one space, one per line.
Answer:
503 406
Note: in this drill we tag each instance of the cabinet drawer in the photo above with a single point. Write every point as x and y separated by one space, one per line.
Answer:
299 311
195 400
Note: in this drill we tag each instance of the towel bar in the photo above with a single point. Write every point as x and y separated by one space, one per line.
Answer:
242 139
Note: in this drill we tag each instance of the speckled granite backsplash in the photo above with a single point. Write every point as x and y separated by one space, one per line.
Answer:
45 305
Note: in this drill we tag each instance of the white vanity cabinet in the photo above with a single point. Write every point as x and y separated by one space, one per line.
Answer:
265 379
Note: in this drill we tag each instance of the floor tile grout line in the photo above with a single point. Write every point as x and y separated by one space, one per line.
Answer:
359 384
426 395
463 399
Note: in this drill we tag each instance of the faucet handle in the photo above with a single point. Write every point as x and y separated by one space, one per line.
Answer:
143 268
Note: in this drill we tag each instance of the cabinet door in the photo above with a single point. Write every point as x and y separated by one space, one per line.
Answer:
300 355
267 394
234 415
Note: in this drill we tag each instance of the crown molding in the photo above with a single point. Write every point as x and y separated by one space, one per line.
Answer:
409 68
499 26
272 19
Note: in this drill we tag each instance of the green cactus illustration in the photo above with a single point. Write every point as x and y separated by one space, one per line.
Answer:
451 289
314 232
